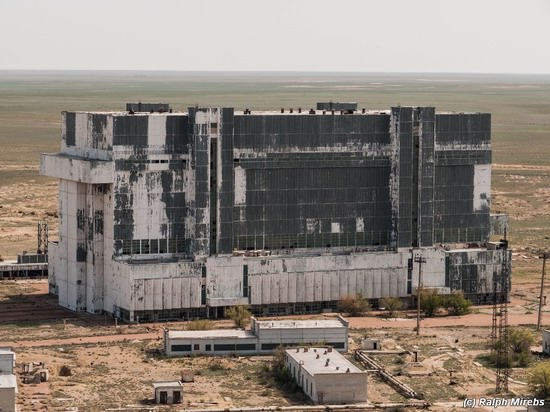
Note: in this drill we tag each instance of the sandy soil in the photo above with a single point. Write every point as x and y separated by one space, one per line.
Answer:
22 205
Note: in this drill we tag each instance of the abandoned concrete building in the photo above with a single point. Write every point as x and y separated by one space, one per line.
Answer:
168 392
262 338
166 215
326 376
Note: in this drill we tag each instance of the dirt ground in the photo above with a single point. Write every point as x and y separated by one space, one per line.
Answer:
114 366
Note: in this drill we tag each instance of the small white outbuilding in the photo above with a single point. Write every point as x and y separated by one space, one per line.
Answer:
326 376
168 392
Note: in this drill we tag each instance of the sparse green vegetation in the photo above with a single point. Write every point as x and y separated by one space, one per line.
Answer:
520 341
538 379
199 324
392 305
353 305
216 366
430 301
240 315
456 304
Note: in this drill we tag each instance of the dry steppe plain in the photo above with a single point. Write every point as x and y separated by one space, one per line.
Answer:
113 367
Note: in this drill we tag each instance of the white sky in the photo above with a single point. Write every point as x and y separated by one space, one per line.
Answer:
494 36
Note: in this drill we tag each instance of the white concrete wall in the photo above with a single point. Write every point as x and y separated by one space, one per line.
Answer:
224 281
169 392
433 270
297 336
7 363
95 248
76 169
7 399
163 286
482 187
546 342
87 143
202 342
321 278
156 286
57 255
76 238
341 388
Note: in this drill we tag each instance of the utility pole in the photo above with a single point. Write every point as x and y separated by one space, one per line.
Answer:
544 256
502 340
419 260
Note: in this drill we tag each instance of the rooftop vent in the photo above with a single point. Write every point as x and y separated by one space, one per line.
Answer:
147 107
337 106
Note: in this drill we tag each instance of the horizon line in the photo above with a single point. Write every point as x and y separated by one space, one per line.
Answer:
279 71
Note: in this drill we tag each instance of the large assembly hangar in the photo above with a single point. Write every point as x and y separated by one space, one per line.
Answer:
169 215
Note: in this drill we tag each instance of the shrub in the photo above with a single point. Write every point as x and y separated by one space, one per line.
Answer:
199 324
353 305
519 348
520 340
456 304
216 366
430 301
65 371
240 315
538 379
392 305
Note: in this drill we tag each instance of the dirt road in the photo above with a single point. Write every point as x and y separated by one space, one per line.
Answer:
474 320
477 319
84 340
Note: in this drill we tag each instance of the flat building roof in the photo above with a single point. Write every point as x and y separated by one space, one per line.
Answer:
209 334
167 384
299 324
321 361
8 381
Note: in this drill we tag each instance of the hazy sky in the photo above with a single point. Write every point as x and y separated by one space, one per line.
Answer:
495 36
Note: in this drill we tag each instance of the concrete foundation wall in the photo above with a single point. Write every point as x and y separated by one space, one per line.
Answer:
7 399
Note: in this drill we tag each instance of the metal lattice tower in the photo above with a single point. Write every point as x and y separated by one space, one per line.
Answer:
42 248
499 333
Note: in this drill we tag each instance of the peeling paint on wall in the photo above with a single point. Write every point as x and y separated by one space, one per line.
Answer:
482 187
240 186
